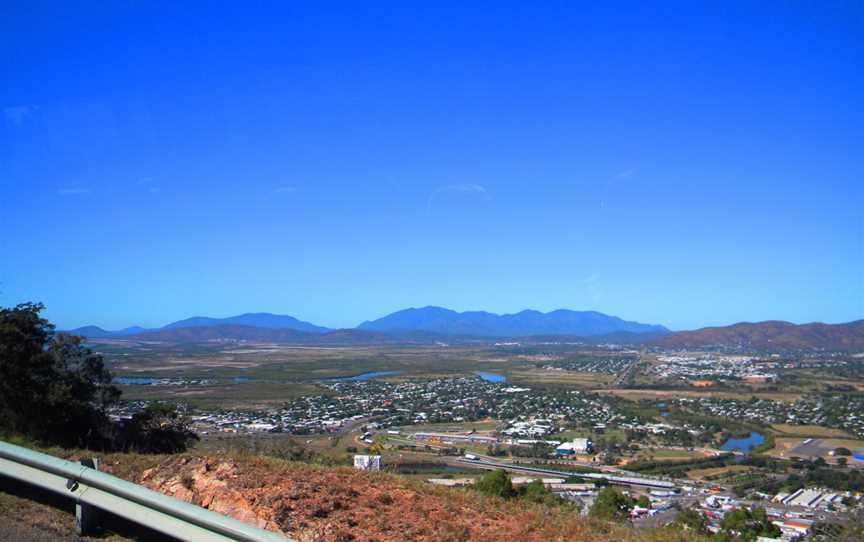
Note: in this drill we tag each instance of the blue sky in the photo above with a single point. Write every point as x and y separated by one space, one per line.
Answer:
688 164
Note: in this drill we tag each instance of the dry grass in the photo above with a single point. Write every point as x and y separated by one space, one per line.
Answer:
810 431
329 504
569 378
700 474
785 447
34 516
639 395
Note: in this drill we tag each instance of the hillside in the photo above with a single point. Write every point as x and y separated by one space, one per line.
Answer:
525 323
252 319
426 325
97 332
263 320
772 335
329 504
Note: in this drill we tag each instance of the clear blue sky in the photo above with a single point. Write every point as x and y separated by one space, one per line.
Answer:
688 164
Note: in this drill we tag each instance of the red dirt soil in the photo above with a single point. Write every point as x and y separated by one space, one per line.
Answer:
310 503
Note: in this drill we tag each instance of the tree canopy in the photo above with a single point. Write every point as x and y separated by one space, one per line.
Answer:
496 483
52 388
611 505
55 390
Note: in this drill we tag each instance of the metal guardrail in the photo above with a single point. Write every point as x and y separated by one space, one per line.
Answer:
102 491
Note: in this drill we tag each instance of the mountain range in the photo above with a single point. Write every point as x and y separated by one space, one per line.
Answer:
249 319
487 324
431 324
428 322
772 335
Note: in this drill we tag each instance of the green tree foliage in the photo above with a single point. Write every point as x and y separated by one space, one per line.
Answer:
55 390
691 519
497 484
52 388
745 525
156 430
378 446
611 505
537 492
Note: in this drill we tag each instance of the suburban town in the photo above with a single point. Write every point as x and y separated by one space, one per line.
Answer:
575 442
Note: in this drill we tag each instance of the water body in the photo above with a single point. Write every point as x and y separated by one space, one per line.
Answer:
364 376
133 380
743 444
492 377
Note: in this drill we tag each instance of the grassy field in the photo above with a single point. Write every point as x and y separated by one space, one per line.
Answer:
701 474
786 447
641 394
809 431
667 455
262 375
246 395
281 362
561 378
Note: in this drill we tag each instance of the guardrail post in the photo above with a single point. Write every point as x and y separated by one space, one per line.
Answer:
86 516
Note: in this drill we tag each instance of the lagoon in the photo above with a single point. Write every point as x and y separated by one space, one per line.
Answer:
492 377
743 444
133 380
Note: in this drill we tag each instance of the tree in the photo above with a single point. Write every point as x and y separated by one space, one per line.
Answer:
497 484
643 501
158 429
52 388
690 519
611 505
379 444
747 524
537 492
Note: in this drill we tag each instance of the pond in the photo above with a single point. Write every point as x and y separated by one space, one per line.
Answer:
364 376
492 377
743 444
133 380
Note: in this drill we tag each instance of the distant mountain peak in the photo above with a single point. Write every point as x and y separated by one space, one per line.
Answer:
251 319
524 323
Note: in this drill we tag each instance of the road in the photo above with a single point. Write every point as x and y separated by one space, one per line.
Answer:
631 478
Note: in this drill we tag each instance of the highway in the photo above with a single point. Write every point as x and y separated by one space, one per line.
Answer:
629 479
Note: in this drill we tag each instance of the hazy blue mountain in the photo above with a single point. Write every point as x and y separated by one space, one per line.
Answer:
90 331
525 323
252 319
97 332
132 330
